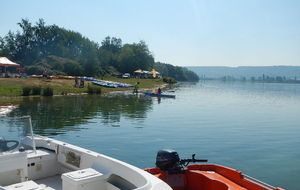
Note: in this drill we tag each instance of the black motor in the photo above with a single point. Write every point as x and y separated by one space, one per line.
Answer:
167 159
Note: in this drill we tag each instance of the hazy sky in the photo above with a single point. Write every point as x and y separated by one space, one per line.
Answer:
185 32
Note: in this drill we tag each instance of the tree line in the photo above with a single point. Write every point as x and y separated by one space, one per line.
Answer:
41 48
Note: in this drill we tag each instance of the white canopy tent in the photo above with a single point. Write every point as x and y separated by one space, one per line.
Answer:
5 62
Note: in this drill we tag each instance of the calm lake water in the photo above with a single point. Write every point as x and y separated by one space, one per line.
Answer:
252 127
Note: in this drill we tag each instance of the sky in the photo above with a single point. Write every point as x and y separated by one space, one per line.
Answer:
179 32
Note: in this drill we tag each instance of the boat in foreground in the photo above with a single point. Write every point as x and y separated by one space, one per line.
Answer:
159 95
42 163
182 176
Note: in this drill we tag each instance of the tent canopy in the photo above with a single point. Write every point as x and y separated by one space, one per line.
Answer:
138 71
4 61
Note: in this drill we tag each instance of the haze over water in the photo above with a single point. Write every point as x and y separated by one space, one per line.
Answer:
252 127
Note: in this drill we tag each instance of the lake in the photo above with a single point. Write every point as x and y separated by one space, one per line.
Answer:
252 127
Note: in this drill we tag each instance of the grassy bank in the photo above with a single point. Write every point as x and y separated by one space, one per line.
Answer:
13 86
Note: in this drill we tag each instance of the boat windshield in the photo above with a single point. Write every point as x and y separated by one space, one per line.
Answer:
12 131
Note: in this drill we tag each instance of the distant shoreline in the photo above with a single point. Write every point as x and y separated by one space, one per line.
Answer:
267 74
253 81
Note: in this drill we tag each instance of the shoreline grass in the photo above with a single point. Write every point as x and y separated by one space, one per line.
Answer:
12 87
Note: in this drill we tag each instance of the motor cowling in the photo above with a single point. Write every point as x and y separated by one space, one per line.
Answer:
167 159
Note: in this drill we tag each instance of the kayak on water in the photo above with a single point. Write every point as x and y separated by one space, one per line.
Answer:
179 175
159 95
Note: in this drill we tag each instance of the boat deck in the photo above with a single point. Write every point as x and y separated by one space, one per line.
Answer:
54 182
49 183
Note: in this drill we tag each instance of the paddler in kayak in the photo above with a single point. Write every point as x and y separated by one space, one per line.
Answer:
159 91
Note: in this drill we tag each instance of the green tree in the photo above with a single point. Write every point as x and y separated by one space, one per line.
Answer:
40 47
135 56
109 50
179 73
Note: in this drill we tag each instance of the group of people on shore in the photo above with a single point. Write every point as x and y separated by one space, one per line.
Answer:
79 82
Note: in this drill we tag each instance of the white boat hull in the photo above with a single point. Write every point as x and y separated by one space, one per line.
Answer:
58 165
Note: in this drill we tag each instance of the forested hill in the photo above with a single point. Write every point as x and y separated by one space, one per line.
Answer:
40 47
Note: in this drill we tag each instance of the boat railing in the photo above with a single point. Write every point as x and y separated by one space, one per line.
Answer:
256 181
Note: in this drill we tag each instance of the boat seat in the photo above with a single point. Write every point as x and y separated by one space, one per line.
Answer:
27 185
215 177
13 167
85 179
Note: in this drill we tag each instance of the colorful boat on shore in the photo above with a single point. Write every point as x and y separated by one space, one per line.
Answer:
181 176
104 84
159 95
109 84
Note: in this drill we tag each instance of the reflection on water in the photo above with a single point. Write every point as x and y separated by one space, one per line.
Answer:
57 115
7 108
14 128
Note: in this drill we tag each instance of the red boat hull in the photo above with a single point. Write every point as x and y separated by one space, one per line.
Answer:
210 177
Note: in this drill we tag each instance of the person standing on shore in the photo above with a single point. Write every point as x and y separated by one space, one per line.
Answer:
76 82
136 88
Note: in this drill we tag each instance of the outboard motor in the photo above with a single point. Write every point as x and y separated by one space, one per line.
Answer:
167 159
